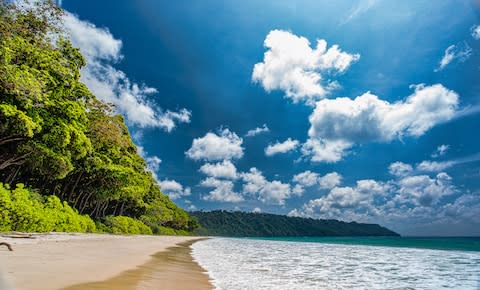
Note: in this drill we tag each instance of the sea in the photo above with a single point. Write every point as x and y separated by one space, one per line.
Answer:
341 263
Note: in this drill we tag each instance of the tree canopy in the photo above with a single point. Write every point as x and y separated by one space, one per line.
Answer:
244 224
58 138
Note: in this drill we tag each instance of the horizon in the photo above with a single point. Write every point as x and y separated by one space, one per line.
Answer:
358 111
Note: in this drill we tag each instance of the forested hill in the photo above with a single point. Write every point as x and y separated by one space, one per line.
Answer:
243 224
67 161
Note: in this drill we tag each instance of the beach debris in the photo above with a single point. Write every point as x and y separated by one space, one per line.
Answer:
7 245
16 235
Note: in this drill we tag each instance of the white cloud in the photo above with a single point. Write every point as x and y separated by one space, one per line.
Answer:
440 151
275 192
174 189
330 180
212 147
476 31
95 43
369 198
306 178
337 124
257 131
272 192
309 179
460 52
284 147
322 150
434 166
291 65
153 162
422 190
223 190
400 169
257 210
341 200
111 85
409 201
298 190
224 169
437 166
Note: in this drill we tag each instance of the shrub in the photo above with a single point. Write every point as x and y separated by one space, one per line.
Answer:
126 225
24 210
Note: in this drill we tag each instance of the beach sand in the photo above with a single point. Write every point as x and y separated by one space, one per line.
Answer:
97 261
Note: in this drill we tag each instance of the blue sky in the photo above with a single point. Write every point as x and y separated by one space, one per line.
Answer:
354 110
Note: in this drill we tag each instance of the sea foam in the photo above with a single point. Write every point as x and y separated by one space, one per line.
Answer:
258 264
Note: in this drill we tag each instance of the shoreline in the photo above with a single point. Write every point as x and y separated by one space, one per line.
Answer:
64 260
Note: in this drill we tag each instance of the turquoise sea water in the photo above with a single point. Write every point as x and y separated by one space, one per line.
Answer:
434 243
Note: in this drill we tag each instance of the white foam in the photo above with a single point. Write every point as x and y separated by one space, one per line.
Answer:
257 264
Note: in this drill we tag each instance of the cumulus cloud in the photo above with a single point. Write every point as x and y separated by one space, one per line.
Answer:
174 189
440 151
309 179
434 166
400 169
323 150
225 145
283 147
342 199
424 201
476 31
102 50
370 199
257 131
330 180
271 192
224 169
306 178
460 52
222 192
423 190
298 190
153 162
337 124
291 65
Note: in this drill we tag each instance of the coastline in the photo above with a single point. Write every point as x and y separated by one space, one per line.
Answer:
61 260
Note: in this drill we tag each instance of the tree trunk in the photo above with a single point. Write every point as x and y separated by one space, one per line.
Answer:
16 160
85 203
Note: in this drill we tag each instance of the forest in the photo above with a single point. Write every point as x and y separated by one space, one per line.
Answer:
67 161
244 224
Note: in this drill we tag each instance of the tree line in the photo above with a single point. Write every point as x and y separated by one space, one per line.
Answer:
244 224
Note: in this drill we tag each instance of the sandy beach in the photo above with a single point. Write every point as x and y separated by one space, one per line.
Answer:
97 261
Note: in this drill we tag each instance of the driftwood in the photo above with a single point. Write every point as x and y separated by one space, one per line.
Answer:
7 245
17 236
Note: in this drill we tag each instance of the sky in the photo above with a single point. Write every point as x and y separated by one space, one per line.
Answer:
362 111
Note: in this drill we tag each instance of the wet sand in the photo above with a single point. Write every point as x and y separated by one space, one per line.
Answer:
58 261
170 269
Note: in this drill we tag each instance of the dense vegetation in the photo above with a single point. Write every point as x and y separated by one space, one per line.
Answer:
58 139
25 210
243 224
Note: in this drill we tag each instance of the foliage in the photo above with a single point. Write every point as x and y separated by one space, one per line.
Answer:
126 225
226 223
58 138
26 211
